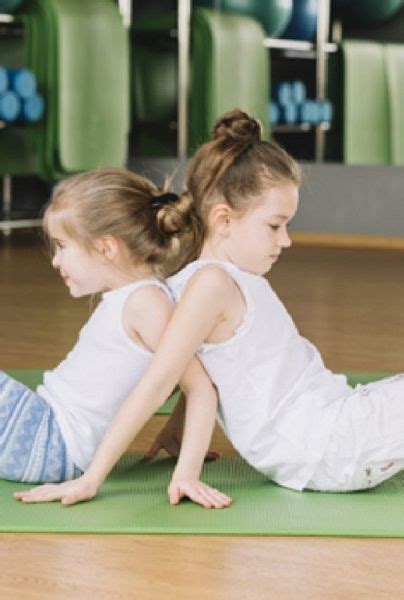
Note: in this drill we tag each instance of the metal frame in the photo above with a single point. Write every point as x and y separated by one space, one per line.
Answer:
323 25
184 35
297 45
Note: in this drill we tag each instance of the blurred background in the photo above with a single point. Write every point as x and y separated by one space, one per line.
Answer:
91 83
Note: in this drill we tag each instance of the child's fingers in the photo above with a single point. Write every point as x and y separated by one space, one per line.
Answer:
40 494
213 499
172 448
212 455
174 495
216 498
67 493
153 450
198 492
69 499
198 495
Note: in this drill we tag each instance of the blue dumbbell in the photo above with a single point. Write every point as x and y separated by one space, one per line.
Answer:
282 92
33 108
273 113
10 106
3 80
308 112
288 113
22 82
298 91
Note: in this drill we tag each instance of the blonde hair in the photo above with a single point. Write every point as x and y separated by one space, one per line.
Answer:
110 201
237 165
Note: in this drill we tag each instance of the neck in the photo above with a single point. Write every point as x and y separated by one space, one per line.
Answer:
214 250
123 276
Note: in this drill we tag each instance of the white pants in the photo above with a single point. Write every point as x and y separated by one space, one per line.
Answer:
366 445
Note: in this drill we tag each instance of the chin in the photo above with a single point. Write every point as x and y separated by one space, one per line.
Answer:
258 271
77 293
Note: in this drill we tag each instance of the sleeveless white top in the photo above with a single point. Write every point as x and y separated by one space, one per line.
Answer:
277 400
88 387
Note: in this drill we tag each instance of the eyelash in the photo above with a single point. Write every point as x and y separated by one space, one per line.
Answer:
57 246
276 227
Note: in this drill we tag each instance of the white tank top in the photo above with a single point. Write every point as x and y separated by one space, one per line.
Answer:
88 387
277 400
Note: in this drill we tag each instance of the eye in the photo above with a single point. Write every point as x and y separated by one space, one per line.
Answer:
57 245
274 227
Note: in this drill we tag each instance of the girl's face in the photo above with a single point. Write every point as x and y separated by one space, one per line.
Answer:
81 269
257 237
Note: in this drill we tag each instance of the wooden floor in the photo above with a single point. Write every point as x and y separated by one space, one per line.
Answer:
350 304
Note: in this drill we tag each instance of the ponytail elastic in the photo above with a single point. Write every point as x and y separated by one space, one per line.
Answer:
164 199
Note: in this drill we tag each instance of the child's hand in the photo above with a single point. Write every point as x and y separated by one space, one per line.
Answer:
170 440
68 492
198 492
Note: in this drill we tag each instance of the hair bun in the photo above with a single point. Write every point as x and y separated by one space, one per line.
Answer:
237 126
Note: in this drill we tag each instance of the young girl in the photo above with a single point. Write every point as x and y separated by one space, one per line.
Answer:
283 410
110 231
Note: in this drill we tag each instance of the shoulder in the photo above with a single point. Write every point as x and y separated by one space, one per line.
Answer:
147 299
210 280
146 314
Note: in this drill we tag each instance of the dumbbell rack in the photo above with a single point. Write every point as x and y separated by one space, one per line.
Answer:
7 224
318 52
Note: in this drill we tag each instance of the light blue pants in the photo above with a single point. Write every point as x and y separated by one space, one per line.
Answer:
32 448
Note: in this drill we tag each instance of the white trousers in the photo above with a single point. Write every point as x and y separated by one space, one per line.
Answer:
366 445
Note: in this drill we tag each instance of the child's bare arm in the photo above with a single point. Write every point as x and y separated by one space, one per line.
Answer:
202 306
200 414
170 437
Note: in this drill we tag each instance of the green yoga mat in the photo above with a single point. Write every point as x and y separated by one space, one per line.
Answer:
133 500
230 68
366 126
394 57
93 94
87 100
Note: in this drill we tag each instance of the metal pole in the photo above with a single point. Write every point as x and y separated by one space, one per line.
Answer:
7 202
125 8
184 25
323 24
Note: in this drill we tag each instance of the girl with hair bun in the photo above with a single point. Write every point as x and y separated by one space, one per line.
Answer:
284 411
110 231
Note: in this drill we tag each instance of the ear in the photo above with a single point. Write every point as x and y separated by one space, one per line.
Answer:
219 218
108 246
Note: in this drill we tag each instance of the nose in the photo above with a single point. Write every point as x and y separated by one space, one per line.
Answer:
285 240
55 261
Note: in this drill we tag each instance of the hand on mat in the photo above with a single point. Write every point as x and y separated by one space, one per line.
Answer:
169 439
68 492
198 492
